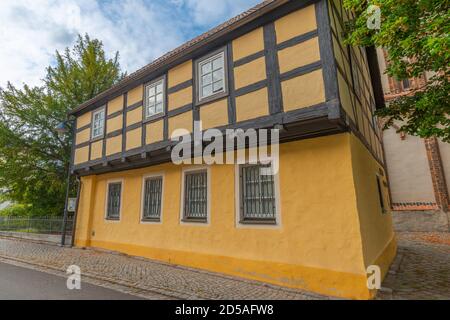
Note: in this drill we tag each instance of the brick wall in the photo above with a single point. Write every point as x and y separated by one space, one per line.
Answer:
393 89
437 173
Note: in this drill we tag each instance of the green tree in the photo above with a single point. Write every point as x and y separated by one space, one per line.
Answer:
416 35
34 159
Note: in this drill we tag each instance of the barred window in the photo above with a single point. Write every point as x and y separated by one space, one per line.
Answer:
152 198
380 194
113 205
257 194
195 196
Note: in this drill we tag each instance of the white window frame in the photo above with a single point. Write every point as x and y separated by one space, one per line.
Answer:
237 186
94 113
184 171
146 97
108 182
199 75
144 178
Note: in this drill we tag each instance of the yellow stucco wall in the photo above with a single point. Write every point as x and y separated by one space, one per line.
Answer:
248 44
81 155
84 120
299 55
214 114
134 116
180 73
134 139
252 105
114 145
83 136
249 73
180 98
135 95
296 23
85 205
114 124
115 105
318 245
303 91
376 227
154 132
181 121
96 149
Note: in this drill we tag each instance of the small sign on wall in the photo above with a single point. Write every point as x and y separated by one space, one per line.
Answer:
71 204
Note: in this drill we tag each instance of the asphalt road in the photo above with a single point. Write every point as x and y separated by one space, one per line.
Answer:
17 283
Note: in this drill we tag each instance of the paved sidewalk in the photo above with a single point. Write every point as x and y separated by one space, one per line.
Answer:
421 269
143 277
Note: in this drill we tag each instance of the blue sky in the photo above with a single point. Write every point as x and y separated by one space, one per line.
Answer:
141 30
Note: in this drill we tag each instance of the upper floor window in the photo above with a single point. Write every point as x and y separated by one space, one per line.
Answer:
98 123
154 98
211 77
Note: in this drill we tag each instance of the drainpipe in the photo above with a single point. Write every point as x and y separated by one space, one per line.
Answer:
74 222
61 129
63 231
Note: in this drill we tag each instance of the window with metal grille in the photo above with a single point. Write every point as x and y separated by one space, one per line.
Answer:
152 198
211 74
257 194
98 123
113 205
195 196
380 194
154 98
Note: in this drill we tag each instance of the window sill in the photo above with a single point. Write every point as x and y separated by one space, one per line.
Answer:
112 219
151 220
194 220
97 138
154 117
259 221
212 98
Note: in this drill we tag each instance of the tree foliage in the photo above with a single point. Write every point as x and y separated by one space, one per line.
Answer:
416 35
34 159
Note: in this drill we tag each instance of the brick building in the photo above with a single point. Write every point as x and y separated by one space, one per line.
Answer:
419 169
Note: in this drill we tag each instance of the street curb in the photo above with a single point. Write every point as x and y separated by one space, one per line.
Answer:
96 277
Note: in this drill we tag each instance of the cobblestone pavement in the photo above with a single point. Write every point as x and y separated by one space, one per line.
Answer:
142 277
421 269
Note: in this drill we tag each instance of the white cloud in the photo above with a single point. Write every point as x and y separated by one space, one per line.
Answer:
32 30
206 12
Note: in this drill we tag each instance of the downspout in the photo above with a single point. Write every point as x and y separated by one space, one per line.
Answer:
74 222
69 174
